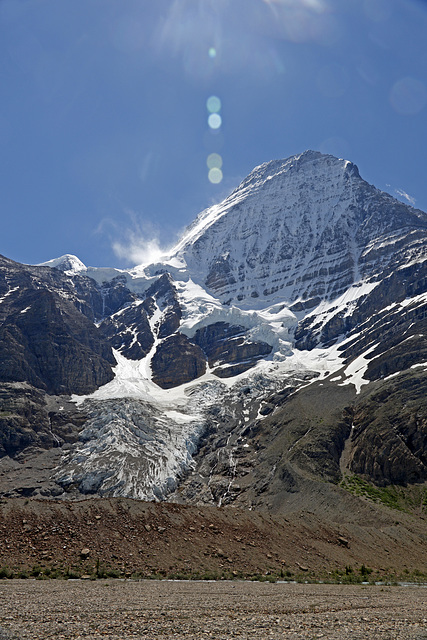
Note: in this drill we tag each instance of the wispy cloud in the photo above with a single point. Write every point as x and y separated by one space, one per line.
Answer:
138 242
406 196
138 249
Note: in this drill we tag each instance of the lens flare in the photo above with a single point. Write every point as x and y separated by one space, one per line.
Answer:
212 53
215 175
213 104
214 121
214 161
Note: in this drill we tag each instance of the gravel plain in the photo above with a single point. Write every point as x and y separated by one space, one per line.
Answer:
121 610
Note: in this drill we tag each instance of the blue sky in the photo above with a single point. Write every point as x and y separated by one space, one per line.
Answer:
104 134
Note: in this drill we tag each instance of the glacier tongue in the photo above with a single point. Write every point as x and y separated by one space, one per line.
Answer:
139 440
134 448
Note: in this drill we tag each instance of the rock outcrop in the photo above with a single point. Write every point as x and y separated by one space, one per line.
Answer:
129 332
227 348
47 332
177 361
29 419
389 438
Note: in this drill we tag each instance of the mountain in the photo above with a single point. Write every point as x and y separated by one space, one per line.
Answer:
276 356
298 231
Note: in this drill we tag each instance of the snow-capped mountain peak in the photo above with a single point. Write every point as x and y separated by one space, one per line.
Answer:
298 230
262 182
68 263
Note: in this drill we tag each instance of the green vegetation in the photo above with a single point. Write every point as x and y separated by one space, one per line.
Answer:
264 578
346 575
359 487
5 572
409 499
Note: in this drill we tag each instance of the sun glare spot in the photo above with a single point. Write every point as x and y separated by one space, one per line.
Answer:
214 161
215 175
214 121
213 104
212 53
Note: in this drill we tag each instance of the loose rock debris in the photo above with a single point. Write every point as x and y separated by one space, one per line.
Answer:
121 610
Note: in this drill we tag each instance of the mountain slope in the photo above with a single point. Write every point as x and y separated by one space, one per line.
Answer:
271 352
47 334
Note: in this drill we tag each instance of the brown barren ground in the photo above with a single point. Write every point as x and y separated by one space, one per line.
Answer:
122 537
121 610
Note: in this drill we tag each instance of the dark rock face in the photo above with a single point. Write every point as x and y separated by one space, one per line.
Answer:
113 295
369 313
233 369
389 439
220 274
164 293
387 326
52 346
46 336
24 420
92 300
129 332
177 361
30 419
400 352
228 349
